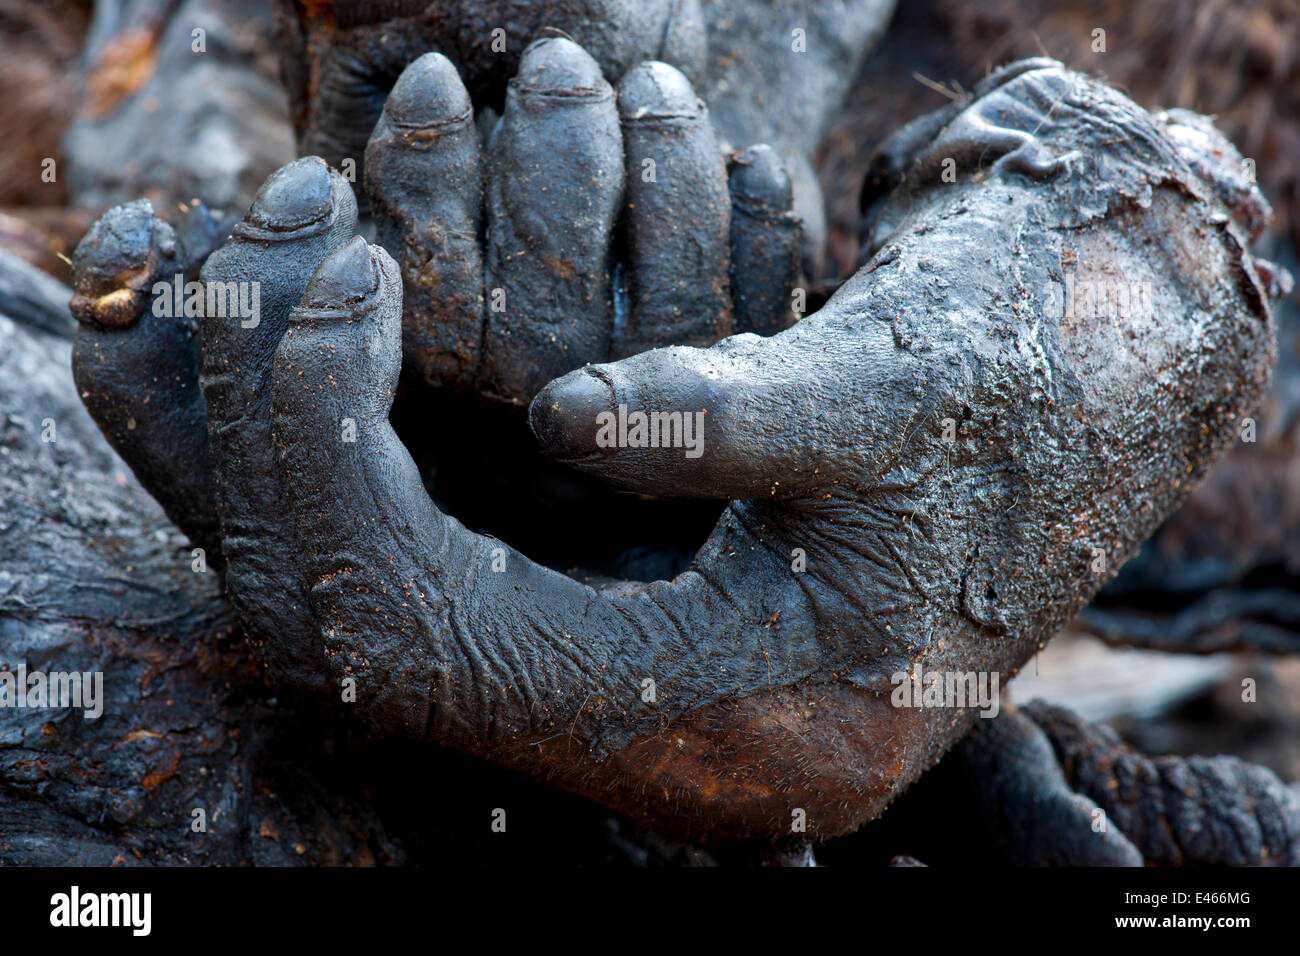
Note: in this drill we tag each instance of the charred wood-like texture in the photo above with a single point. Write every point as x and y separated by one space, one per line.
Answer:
94 579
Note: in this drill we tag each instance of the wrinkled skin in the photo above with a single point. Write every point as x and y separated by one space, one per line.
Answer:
1043 781
772 71
1030 805
341 59
561 146
571 171
115 270
1162 811
1075 435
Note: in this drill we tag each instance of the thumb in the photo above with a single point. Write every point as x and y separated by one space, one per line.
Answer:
750 417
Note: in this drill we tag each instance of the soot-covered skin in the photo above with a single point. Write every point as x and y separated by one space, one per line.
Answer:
1075 435
1178 811
594 224
1030 809
342 58
137 370
764 229
1054 791
186 405
774 71
460 235
304 211
925 473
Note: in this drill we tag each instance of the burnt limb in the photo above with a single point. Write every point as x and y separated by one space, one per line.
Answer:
677 215
764 241
94 580
1177 810
1031 811
938 325
302 212
135 357
340 59
554 191
1220 573
592 225
756 666
775 73
1265 620
1237 534
426 135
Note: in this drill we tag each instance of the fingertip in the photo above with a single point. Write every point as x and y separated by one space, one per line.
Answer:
556 66
765 240
119 240
759 180
429 93
563 415
344 277
116 262
654 90
297 194
553 194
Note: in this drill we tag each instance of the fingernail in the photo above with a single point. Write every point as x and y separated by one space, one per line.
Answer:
554 65
345 276
295 195
428 93
119 243
652 90
759 178
563 415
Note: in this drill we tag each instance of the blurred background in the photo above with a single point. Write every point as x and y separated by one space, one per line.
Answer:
102 103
